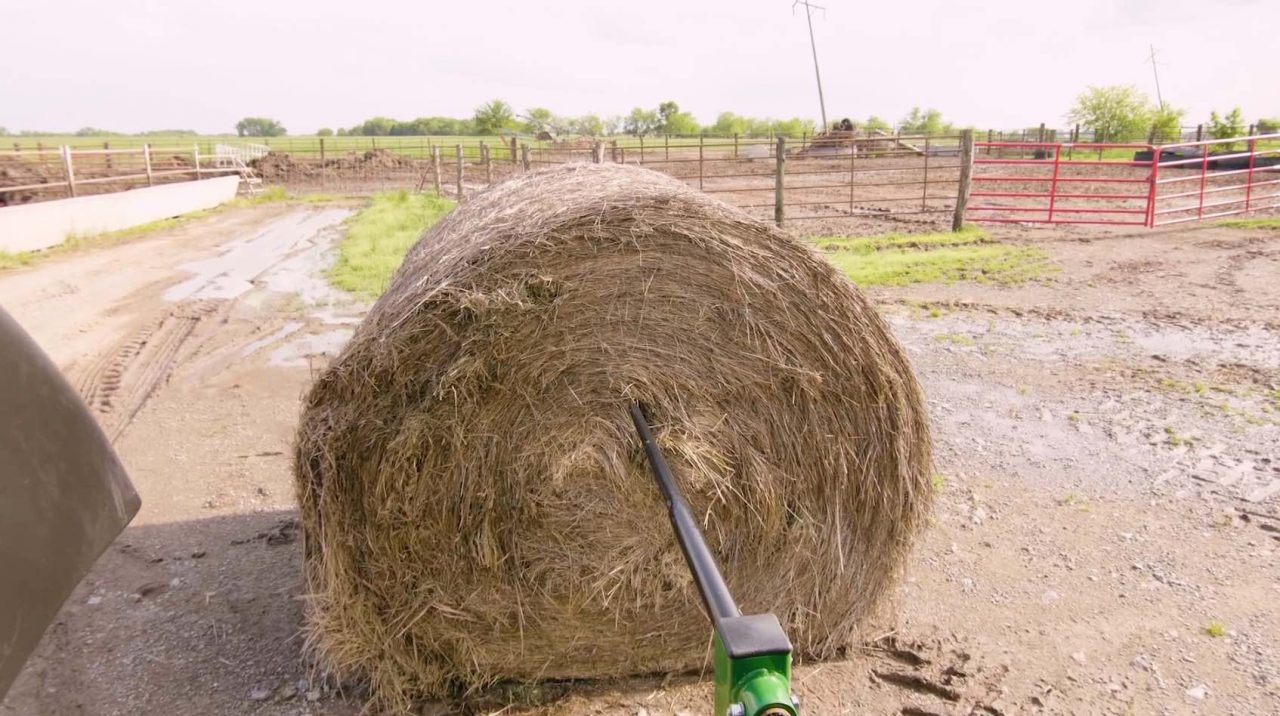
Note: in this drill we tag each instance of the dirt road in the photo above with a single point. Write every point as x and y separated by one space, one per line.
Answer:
1105 541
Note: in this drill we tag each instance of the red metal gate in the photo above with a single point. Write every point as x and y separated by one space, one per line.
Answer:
1220 177
1053 183
1123 184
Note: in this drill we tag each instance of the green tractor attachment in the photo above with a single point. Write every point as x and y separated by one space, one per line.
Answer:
752 653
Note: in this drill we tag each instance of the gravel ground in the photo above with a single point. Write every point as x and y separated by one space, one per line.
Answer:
1105 539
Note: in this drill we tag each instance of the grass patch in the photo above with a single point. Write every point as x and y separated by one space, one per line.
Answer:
904 259
379 236
1269 222
1215 629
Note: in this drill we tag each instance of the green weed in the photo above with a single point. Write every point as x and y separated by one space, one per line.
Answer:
1174 438
1215 629
955 339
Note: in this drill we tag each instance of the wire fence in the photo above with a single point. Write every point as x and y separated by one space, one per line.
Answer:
838 175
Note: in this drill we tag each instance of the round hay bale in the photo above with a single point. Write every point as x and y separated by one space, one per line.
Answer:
476 504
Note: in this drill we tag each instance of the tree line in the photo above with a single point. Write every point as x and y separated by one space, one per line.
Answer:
497 117
1122 113
1117 113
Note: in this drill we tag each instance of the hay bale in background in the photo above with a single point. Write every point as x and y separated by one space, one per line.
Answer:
476 504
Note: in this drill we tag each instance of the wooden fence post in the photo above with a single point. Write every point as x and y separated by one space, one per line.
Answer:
488 165
514 157
106 146
146 159
524 156
666 147
966 178
195 155
700 166
1200 133
613 150
322 151
735 145
435 168
597 152
1040 134
642 150
68 171
779 172
458 150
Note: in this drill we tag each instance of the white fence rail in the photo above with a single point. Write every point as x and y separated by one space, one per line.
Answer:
39 175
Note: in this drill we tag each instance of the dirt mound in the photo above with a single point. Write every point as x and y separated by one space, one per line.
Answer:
279 167
383 158
282 166
475 502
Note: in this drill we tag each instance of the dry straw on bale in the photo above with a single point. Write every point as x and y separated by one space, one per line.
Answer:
476 504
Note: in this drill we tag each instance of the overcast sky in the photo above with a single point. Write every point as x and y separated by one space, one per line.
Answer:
131 65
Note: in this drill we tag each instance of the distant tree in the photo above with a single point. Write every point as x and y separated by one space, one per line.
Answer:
728 124
1232 125
324 132
539 119
588 124
259 127
373 127
92 132
1115 113
1266 125
793 127
613 124
493 117
672 121
1166 124
927 121
641 122
875 124
4 132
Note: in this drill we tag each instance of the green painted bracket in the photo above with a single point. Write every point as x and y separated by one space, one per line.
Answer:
753 668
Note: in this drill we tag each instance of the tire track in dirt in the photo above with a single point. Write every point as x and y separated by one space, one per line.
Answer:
118 384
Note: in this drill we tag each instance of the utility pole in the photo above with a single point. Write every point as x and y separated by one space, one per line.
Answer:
808 14
1155 70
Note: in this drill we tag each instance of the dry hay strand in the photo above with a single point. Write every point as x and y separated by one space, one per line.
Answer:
476 505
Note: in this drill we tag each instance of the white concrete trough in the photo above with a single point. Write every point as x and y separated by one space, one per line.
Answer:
31 227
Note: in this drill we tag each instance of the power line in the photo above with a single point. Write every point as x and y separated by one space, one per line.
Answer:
1155 70
808 13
